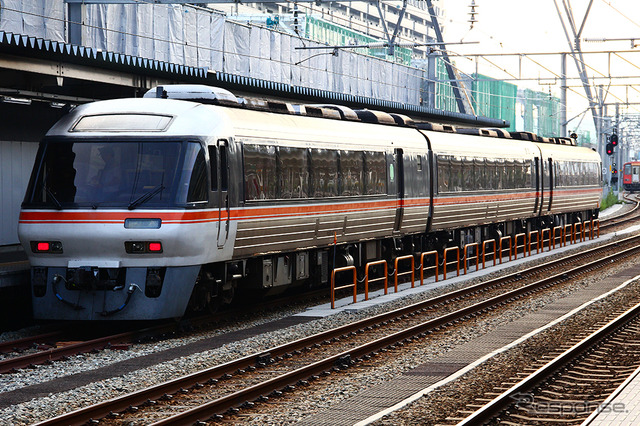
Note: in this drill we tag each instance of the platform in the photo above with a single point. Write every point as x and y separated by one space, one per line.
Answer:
14 266
622 407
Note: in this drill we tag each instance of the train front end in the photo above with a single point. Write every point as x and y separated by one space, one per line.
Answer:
117 219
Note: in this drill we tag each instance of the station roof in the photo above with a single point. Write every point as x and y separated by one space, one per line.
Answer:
75 74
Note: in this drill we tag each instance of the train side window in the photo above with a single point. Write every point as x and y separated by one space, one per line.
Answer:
224 167
490 172
324 173
351 172
518 178
526 170
259 172
481 173
293 173
213 166
444 173
375 172
198 183
468 178
509 175
455 183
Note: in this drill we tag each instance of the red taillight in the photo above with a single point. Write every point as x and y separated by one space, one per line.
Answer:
142 247
54 247
155 246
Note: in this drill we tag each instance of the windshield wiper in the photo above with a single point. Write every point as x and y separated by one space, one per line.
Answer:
52 196
145 197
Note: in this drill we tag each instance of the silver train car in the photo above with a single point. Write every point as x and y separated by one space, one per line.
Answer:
142 209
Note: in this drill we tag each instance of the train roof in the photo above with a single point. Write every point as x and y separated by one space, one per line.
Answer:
202 111
219 96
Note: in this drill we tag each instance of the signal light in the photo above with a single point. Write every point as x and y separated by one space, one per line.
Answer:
614 140
609 149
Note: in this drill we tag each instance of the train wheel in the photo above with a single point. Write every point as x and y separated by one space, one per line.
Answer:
227 295
214 305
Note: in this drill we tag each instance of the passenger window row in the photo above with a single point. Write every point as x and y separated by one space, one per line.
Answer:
572 173
456 174
272 172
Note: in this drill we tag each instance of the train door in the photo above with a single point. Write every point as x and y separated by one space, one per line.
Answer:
219 164
396 184
536 171
546 180
551 183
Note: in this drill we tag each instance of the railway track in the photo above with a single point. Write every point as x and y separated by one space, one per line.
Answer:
624 218
566 386
243 382
59 343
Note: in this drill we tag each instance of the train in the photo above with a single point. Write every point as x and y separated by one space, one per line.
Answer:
189 197
631 176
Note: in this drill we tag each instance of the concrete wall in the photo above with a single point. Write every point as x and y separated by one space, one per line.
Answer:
16 159
21 128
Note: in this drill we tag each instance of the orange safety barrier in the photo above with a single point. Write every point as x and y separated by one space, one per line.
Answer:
501 251
466 258
484 251
579 231
557 228
447 250
542 240
572 237
537 235
590 225
412 272
422 268
367 280
595 223
334 288
583 228
524 245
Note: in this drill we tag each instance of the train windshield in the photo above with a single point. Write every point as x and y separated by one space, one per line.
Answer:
118 174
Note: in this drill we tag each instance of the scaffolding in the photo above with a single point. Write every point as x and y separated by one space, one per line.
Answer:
323 31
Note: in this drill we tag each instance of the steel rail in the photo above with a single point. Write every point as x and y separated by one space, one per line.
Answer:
9 365
221 405
27 342
623 217
504 400
12 364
